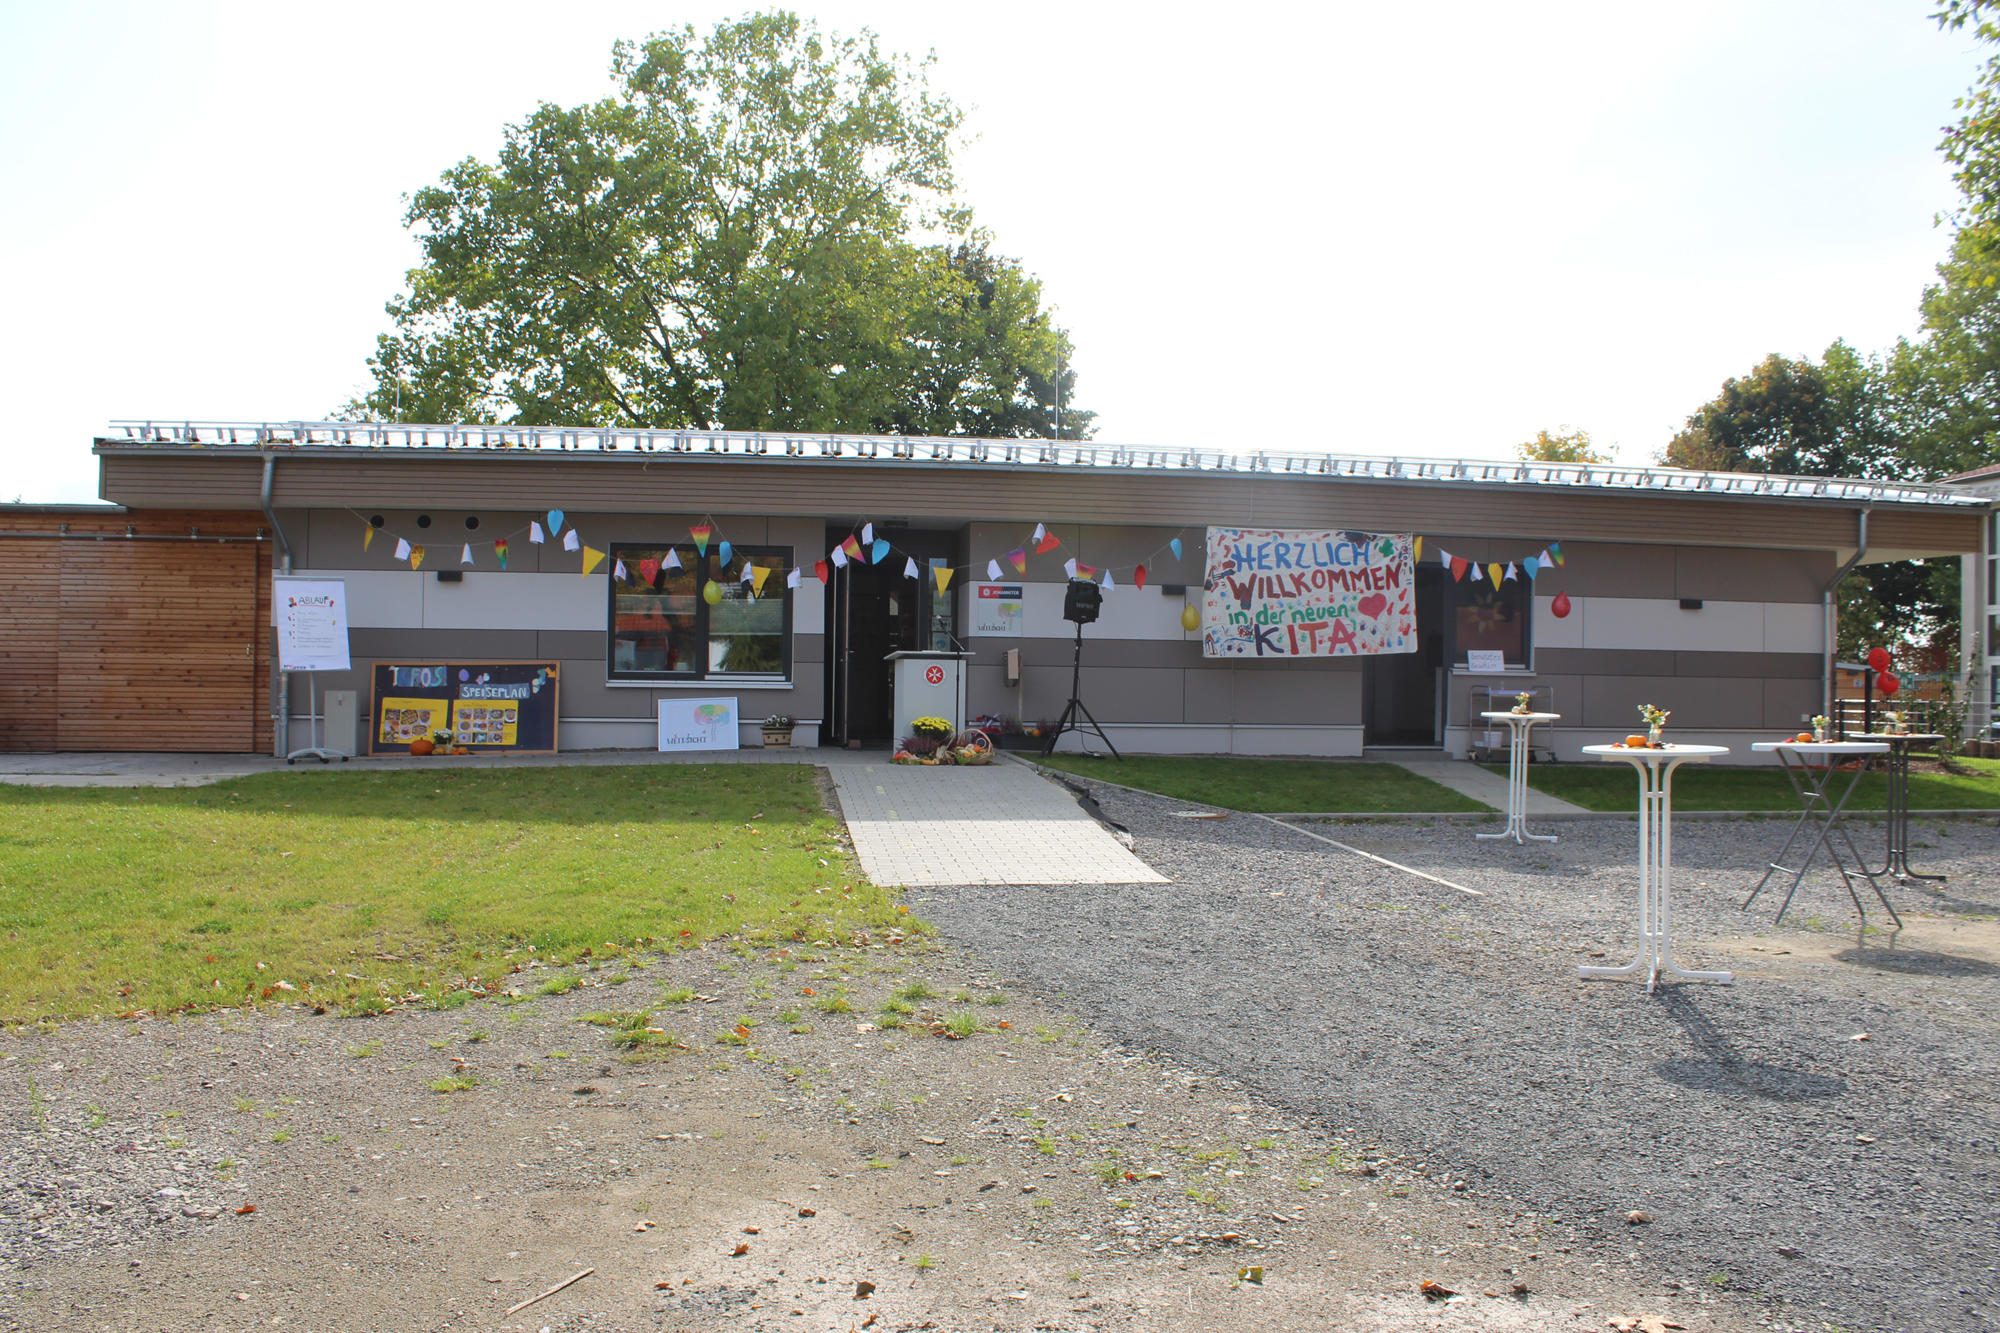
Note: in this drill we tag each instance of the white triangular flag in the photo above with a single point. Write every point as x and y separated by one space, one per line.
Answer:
673 560
465 556
572 542
1511 574
792 579
402 549
749 572
1040 532
535 532
867 534
910 567
1444 557
1069 566
993 570
1109 582
839 558
1547 559
618 570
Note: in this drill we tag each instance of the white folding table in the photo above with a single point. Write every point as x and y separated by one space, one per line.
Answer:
1655 769
1818 809
1518 726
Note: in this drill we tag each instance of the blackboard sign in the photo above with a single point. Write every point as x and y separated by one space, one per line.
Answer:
487 706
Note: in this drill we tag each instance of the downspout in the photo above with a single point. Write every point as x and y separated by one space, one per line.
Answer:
281 689
1829 622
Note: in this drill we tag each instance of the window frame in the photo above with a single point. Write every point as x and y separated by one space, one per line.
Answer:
703 567
1455 651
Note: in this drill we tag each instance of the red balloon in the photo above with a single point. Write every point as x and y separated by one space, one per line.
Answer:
1887 683
1560 606
1878 659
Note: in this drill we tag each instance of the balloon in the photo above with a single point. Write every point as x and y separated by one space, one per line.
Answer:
1887 683
1878 659
1190 618
710 593
1560 606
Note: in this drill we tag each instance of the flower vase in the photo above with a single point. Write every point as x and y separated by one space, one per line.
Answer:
1653 736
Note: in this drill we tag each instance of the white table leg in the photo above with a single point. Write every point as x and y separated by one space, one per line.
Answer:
1656 866
1517 789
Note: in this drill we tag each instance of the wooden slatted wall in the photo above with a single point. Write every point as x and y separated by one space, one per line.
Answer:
126 644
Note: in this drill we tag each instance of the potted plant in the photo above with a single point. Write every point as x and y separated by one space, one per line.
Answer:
1656 722
778 730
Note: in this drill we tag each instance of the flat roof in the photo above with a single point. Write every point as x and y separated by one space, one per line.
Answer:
409 439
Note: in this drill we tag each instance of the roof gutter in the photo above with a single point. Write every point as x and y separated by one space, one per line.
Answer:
281 687
1829 622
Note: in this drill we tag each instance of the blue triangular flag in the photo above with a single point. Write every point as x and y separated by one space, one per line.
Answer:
1530 564
1175 544
722 553
881 552
555 521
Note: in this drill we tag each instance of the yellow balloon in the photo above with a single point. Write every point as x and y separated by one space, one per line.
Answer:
710 593
1190 618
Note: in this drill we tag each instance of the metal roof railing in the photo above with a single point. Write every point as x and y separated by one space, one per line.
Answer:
341 436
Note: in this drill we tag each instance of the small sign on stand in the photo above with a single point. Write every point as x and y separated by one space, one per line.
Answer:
311 615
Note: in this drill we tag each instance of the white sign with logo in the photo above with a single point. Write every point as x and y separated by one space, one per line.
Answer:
996 610
698 724
312 623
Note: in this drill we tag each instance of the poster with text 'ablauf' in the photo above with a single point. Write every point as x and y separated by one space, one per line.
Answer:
1275 593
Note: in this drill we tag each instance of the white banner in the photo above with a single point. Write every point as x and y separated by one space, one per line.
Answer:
312 623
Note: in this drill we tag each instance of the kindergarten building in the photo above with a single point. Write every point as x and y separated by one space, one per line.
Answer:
1271 603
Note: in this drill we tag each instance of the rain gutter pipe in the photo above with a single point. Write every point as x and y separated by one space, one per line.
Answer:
281 689
1829 620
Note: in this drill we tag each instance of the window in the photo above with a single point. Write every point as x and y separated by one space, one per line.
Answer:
662 628
1486 618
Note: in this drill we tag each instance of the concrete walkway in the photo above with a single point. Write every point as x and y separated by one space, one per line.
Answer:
999 824
1471 780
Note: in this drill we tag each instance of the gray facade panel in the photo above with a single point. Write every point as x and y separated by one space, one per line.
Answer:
1789 705
1611 702
579 643
439 645
1604 662
1763 666
1714 574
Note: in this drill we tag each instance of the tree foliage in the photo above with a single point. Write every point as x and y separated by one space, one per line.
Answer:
727 241
1793 418
1566 444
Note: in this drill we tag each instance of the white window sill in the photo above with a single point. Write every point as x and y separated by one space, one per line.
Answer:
712 683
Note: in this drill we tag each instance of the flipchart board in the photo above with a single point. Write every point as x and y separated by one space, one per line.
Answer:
487 706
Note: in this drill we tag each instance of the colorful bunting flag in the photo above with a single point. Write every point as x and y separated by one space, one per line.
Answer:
673 560
1511 573
724 553
909 566
867 534
555 521
1458 567
1040 532
367 535
1417 549
1069 567
416 557
942 573
1530 564
1139 576
535 532
1109 582
822 573
571 541
402 549
840 557
1493 572
701 532
1547 559
881 552
792 576
500 550
749 573
1018 558
1556 549
762 572
993 571
1043 545
618 572
649 571
465 556
1444 556
1083 571
592 557
1174 545
852 547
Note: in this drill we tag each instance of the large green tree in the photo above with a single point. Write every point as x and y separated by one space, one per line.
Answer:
757 231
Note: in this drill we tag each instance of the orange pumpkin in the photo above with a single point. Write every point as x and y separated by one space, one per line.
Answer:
1635 742
422 745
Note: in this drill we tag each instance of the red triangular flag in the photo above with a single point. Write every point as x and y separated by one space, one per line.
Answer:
649 571
1459 564
819 570
1139 576
1048 543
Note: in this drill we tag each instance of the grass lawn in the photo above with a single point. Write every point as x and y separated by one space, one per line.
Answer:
1268 786
356 890
1609 785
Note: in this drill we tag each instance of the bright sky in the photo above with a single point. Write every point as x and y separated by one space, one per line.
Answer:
1366 228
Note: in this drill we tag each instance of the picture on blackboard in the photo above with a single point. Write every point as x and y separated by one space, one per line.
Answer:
486 706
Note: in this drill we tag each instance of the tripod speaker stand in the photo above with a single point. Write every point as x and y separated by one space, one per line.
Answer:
1080 606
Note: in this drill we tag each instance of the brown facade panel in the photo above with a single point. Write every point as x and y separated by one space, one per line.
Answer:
30 631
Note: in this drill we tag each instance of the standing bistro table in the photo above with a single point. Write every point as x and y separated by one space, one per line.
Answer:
1900 745
1656 859
1819 809
1518 725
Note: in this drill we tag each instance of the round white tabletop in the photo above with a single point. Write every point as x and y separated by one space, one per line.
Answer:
1645 753
1509 715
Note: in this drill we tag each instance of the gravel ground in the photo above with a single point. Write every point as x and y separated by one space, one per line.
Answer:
1820 1135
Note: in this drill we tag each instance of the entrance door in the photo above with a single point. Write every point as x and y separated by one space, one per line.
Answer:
872 611
1402 694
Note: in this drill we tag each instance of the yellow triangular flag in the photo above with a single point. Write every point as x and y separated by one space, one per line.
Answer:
1417 549
367 535
758 573
943 575
1493 572
416 557
592 558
